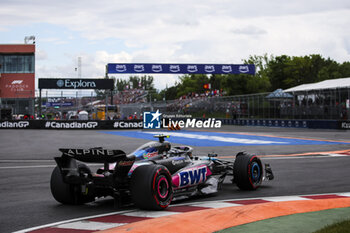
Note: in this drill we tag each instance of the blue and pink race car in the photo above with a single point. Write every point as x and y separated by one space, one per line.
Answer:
151 176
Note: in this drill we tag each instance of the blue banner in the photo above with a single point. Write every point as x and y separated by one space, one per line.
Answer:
146 68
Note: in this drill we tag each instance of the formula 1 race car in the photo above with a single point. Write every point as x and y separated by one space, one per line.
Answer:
151 176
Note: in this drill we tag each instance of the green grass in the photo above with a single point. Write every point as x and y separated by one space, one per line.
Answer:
310 222
340 227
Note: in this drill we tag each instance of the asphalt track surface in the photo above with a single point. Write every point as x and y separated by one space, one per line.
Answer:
26 163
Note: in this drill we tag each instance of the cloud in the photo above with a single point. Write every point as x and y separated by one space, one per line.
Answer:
40 55
249 30
180 31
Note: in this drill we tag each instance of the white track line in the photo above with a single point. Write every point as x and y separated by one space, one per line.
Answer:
150 214
89 225
285 198
216 205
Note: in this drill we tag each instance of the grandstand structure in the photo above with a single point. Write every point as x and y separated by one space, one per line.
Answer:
326 100
329 100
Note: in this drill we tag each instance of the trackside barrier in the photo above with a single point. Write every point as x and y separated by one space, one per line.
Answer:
313 124
43 124
138 124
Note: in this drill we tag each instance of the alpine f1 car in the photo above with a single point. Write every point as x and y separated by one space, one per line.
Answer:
151 176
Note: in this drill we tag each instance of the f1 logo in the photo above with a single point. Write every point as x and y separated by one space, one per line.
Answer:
151 120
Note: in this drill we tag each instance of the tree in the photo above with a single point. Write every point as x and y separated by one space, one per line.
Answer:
285 72
135 82
330 70
277 72
260 82
344 69
193 83
234 84
215 81
170 93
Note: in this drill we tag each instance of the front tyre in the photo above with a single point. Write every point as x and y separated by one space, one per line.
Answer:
247 171
151 187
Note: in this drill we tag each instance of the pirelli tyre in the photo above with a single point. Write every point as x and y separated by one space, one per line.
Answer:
151 187
247 171
68 193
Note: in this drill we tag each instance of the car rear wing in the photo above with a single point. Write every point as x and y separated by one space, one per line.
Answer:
94 155
68 165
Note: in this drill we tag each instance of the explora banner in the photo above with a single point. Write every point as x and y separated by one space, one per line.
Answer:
146 68
71 83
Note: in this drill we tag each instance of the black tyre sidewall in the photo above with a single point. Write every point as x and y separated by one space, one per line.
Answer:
144 187
68 193
62 192
242 171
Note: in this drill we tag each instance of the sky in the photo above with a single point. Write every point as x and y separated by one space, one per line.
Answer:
162 31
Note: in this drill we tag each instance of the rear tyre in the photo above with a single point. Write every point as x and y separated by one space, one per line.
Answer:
68 193
151 187
247 171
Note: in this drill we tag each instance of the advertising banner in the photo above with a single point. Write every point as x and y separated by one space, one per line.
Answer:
17 86
50 83
146 68
71 124
139 124
58 102
344 124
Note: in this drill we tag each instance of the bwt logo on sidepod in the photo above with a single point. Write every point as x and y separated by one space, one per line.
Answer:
151 120
192 176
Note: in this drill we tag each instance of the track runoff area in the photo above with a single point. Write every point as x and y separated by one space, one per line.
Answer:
305 162
219 139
